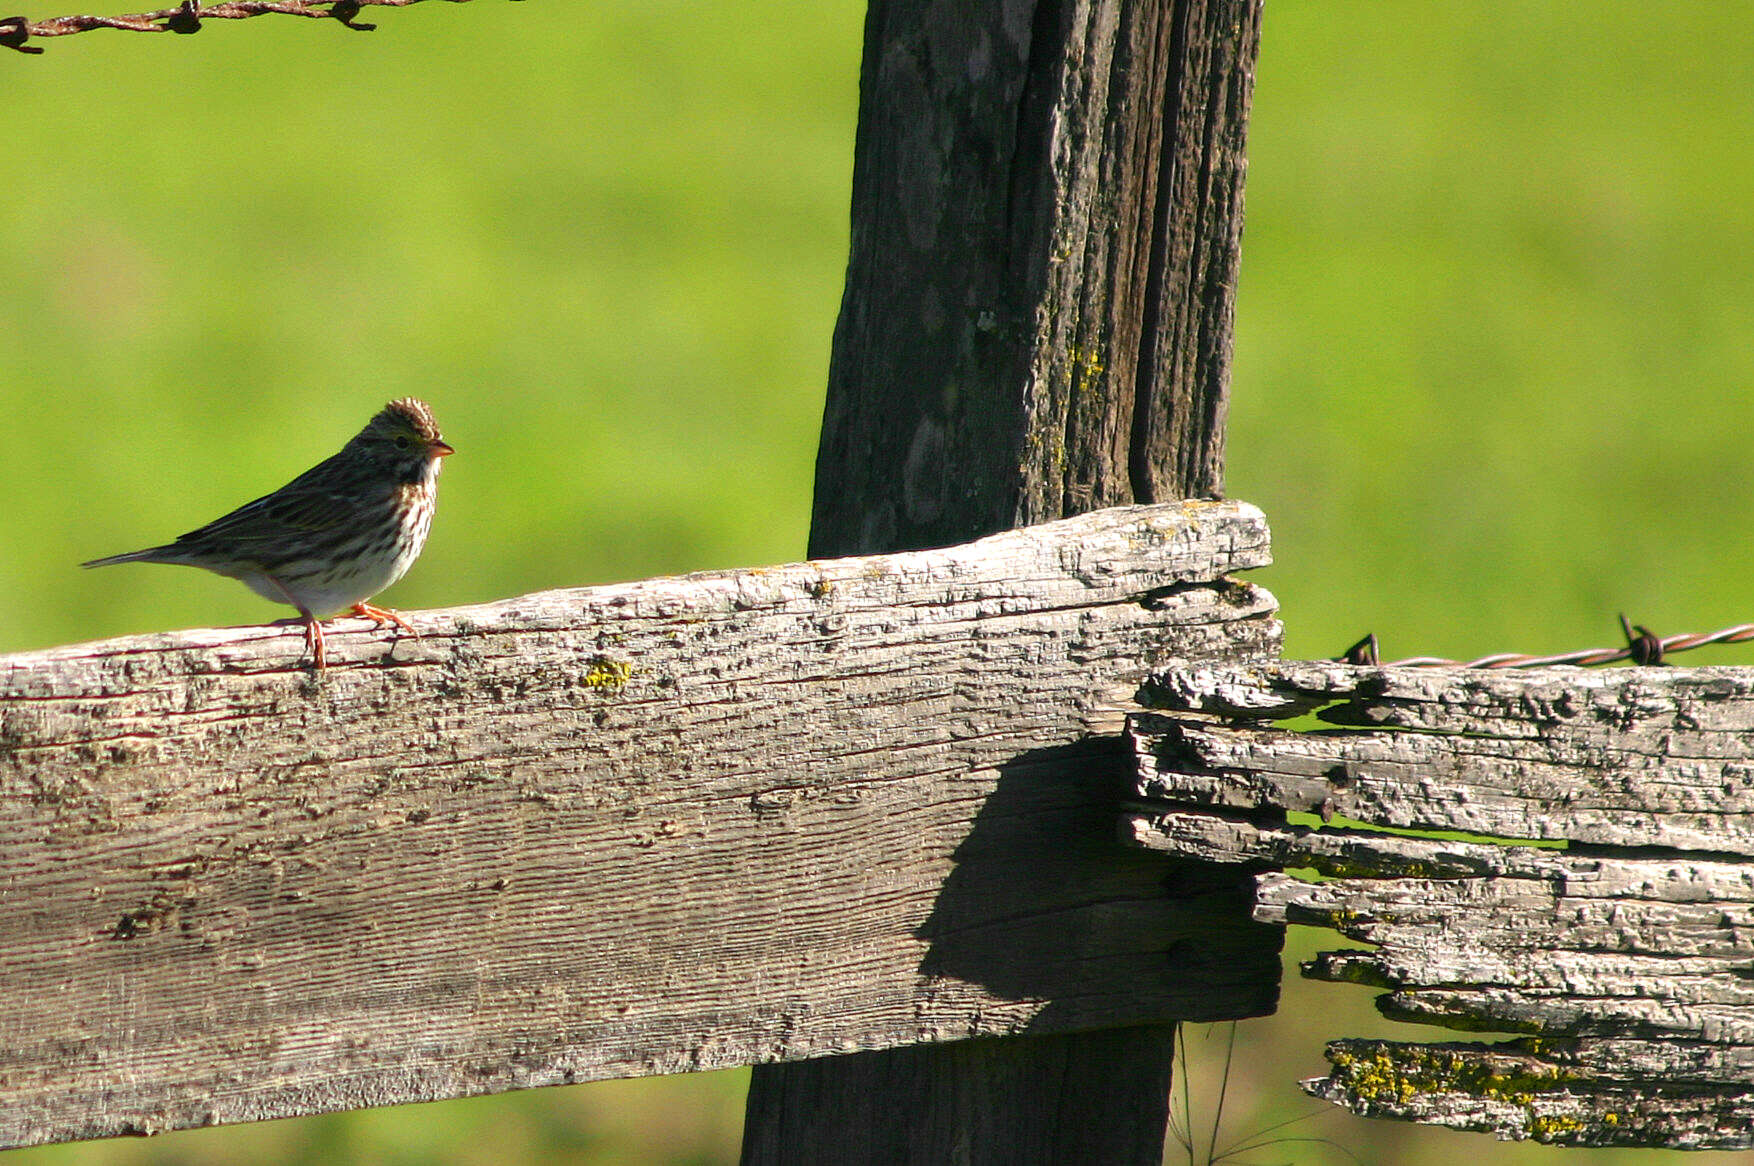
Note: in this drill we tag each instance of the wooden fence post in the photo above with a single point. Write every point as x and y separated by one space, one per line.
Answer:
1047 208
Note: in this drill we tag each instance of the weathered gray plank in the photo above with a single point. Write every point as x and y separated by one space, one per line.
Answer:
1632 971
1548 1095
667 825
1630 757
1627 955
1607 947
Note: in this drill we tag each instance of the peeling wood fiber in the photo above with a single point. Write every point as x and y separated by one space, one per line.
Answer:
1627 956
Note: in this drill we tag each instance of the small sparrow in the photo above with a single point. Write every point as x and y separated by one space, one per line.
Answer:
334 536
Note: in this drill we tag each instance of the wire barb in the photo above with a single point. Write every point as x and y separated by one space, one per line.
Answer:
1643 647
186 19
187 16
14 31
345 11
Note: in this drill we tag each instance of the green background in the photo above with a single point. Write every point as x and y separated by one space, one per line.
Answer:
1491 357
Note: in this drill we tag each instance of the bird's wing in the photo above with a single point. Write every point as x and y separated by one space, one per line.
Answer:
311 503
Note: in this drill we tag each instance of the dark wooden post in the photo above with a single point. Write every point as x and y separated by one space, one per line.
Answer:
1047 208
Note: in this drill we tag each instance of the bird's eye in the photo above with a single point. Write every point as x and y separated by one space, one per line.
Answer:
401 441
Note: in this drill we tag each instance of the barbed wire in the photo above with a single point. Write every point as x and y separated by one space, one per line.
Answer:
1643 646
186 18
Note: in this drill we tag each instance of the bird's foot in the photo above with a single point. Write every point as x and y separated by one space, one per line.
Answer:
384 617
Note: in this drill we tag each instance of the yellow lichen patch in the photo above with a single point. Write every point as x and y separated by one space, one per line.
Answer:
1087 367
608 674
1550 1127
1341 918
1397 1074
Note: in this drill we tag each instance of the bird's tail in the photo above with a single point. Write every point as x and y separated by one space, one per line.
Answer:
165 554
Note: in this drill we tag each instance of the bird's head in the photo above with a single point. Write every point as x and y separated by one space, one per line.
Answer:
404 439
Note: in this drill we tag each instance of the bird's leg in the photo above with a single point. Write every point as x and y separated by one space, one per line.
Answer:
314 639
384 616
313 626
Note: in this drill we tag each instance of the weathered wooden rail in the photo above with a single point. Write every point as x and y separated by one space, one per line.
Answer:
868 803
676 824
1628 956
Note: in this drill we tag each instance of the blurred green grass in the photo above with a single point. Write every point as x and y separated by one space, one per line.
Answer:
1493 333
605 244
1492 344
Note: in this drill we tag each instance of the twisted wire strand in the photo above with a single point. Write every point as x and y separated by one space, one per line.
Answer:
1642 647
17 31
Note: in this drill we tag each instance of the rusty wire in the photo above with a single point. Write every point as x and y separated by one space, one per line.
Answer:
15 31
1642 647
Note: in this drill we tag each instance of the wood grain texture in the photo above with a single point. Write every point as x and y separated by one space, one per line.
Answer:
1629 757
667 825
1047 207
1625 955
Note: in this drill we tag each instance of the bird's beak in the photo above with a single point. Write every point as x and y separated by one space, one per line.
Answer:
440 449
